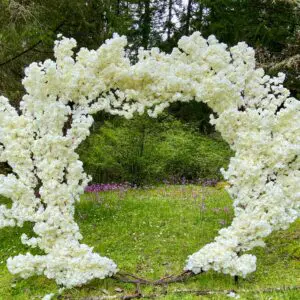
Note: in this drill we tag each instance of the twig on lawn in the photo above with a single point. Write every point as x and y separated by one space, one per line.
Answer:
174 278
131 278
127 278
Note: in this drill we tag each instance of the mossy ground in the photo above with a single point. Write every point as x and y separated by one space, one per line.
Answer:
151 232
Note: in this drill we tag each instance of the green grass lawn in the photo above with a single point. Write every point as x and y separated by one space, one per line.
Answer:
150 233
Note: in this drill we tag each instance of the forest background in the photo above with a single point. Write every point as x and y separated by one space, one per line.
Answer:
180 145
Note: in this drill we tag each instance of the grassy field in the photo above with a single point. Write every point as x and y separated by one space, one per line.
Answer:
151 232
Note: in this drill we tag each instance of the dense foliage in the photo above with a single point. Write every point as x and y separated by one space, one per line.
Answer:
146 150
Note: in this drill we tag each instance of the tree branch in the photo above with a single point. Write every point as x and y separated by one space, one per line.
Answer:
20 54
131 278
30 48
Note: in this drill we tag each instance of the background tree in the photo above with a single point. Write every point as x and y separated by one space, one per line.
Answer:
271 27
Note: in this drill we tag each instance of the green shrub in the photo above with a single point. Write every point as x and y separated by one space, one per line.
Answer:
145 150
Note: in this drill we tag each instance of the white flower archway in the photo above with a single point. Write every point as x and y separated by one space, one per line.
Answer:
256 117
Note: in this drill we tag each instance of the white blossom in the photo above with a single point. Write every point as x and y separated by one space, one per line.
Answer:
254 113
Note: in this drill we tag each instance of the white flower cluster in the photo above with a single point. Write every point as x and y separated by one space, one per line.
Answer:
256 117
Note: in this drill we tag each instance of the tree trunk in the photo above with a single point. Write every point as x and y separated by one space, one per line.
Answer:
146 24
118 10
169 24
200 15
188 17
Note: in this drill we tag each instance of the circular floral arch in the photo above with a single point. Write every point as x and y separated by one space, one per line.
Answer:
255 115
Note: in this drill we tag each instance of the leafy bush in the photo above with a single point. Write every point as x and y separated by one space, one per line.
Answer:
145 150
